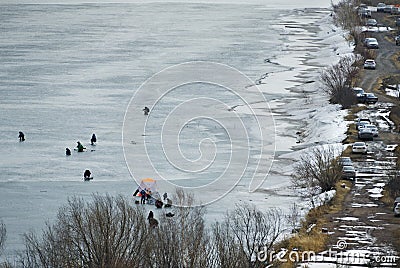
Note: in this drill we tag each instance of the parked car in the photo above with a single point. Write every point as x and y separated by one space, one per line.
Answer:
380 7
388 9
359 147
362 124
348 172
397 40
364 13
361 121
395 10
345 161
396 201
371 127
365 134
358 90
369 98
396 210
366 40
370 64
371 43
372 22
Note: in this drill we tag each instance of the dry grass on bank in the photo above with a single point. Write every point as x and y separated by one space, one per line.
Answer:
315 240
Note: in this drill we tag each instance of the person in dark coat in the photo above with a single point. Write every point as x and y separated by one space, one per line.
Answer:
80 147
93 139
67 151
146 110
158 203
86 175
150 216
143 196
21 136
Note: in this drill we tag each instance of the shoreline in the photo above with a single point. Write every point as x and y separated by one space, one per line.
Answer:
365 205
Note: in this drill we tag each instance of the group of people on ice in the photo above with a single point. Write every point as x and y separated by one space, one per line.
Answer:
80 148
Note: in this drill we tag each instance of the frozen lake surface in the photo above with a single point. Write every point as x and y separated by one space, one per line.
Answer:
71 70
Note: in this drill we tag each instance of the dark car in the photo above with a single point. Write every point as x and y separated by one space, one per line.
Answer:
365 134
348 172
369 98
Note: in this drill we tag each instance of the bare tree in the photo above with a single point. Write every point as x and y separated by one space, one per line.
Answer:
244 233
346 17
108 232
317 170
294 216
338 79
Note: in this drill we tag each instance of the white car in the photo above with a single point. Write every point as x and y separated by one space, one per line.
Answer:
369 64
371 127
370 39
372 22
359 147
371 42
396 210
380 7
345 161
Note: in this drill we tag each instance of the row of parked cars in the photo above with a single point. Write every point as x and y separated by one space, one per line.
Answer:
392 9
349 172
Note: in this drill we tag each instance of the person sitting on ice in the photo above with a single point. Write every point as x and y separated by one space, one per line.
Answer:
146 110
159 203
80 147
67 151
86 175
168 203
93 139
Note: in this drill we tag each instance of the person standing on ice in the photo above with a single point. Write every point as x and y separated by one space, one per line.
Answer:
21 136
143 196
67 151
150 216
146 110
93 139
